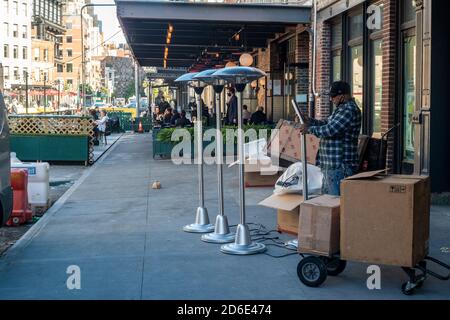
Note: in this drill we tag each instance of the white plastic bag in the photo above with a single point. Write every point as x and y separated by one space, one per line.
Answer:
291 181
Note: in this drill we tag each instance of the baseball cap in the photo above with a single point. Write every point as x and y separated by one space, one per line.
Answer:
338 88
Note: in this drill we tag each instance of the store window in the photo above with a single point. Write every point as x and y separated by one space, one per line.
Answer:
409 96
377 84
356 56
408 82
336 47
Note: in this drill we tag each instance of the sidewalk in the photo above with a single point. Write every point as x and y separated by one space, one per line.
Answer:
127 240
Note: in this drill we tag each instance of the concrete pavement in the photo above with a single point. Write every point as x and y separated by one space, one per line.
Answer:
127 240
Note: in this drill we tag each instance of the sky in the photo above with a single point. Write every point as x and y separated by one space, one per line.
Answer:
111 25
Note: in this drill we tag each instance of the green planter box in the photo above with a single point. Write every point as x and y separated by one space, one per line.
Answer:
50 148
164 150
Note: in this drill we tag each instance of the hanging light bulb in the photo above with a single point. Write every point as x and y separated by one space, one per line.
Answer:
246 60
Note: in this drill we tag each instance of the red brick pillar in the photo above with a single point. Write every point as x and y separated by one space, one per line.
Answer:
390 48
323 69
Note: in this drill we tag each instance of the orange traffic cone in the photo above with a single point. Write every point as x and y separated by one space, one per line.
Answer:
140 128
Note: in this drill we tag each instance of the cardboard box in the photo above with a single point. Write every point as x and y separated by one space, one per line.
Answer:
385 219
318 231
288 209
287 143
261 173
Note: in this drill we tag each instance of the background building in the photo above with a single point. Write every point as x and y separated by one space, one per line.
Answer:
15 44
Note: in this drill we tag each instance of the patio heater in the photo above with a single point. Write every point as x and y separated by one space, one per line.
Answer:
201 224
221 232
240 77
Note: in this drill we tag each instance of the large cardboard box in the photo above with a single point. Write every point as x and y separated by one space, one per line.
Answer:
288 209
385 219
318 231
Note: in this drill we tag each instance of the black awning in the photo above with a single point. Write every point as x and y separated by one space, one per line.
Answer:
203 35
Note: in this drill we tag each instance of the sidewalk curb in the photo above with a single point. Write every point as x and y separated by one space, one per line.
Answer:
38 226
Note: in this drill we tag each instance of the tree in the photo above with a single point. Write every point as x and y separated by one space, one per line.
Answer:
129 92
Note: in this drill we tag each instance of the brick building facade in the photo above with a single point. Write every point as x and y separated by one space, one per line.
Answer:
385 50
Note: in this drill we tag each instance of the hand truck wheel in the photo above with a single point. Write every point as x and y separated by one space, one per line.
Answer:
335 266
312 271
408 288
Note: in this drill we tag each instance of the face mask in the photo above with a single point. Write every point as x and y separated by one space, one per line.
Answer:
229 94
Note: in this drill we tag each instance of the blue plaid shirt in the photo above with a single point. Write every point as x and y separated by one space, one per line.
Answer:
339 136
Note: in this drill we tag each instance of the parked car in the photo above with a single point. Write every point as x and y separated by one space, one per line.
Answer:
6 195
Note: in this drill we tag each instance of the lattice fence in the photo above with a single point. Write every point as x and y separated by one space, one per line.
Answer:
54 125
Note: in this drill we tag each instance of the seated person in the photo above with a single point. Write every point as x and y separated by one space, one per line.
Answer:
246 115
175 117
183 121
167 115
258 117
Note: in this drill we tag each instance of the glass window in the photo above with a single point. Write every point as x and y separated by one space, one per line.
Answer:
356 73
5 6
6 72
36 54
69 39
69 67
69 52
69 82
337 67
15 30
409 96
24 32
6 29
25 9
336 35
356 26
408 10
69 25
377 84
16 73
45 54
5 51
25 53
60 68
15 7
16 52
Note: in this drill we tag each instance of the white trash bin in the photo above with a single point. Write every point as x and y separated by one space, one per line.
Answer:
38 182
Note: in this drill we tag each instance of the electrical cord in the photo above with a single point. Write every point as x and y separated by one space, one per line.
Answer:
280 256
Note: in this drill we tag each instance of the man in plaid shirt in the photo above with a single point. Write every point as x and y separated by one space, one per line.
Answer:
338 151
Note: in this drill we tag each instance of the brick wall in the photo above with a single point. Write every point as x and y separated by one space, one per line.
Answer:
323 69
302 56
389 73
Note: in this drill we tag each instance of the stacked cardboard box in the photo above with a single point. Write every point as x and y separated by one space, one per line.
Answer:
318 226
385 219
288 208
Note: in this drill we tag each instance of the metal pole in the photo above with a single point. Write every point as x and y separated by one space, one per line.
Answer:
200 150
26 92
59 94
45 93
241 161
219 151
304 161
136 87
